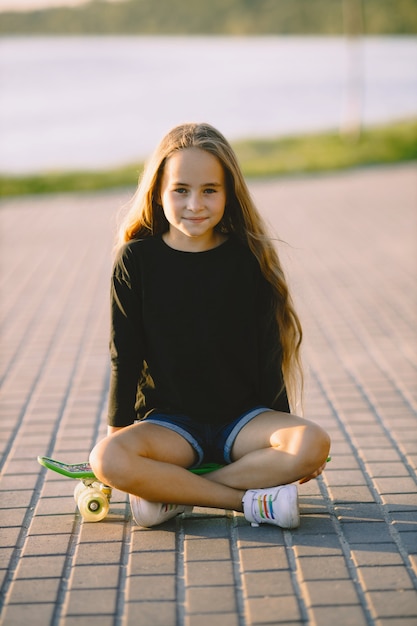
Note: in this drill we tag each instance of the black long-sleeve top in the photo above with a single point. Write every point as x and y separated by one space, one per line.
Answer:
192 333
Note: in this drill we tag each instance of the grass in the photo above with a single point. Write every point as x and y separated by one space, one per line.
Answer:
57 182
329 151
259 158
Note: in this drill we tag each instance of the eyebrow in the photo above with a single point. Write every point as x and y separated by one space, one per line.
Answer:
179 184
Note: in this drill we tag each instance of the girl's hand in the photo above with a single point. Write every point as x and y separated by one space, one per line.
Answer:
313 475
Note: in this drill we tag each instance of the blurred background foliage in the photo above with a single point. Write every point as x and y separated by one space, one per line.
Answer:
217 17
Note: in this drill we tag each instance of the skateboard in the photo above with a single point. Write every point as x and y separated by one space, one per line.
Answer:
91 496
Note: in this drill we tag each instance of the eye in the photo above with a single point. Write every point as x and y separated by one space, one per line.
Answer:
210 191
180 190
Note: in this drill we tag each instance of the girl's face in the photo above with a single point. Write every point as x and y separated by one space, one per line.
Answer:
193 197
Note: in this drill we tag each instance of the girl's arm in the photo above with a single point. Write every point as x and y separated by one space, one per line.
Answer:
126 340
271 382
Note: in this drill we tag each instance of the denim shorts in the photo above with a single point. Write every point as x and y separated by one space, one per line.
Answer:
212 444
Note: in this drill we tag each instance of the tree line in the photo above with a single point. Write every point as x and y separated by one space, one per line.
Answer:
218 17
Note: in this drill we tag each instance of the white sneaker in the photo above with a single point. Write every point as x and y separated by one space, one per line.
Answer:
150 514
277 505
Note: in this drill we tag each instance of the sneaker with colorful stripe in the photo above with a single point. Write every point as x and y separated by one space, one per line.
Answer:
150 514
277 505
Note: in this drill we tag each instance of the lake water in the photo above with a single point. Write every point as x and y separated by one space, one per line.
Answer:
91 102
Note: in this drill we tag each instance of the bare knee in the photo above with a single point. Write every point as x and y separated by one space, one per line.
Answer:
307 444
315 448
107 460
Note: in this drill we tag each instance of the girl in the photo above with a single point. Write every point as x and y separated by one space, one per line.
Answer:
204 347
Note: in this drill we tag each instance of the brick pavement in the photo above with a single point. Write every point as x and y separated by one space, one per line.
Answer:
352 260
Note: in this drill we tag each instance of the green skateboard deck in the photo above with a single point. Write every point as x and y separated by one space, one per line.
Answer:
74 470
83 470
91 496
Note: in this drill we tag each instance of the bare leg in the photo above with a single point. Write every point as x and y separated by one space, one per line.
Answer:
150 461
275 449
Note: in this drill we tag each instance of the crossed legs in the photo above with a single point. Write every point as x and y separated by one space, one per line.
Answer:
151 461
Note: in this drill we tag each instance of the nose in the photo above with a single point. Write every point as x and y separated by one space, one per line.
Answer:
194 202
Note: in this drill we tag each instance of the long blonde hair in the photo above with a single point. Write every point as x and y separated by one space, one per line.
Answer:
145 218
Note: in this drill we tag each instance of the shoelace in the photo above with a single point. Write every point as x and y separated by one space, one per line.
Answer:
263 505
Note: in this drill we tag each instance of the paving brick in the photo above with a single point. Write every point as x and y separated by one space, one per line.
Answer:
343 592
91 602
368 512
310 505
386 455
336 478
37 614
347 615
39 545
366 532
51 525
9 536
342 461
207 549
210 573
393 485
5 557
154 613
92 620
376 554
396 603
210 599
95 576
317 551
152 563
197 527
34 590
15 499
110 531
60 505
317 525
265 535
307 490
404 521
38 567
409 541
400 501
326 568
342 448
358 311
151 588
144 540
225 619
263 558
358 494
267 583
276 610
385 578
102 553
390 470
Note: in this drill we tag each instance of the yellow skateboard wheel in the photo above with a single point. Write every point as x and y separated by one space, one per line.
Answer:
78 491
92 504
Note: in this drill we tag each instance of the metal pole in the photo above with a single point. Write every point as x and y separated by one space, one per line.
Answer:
353 26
